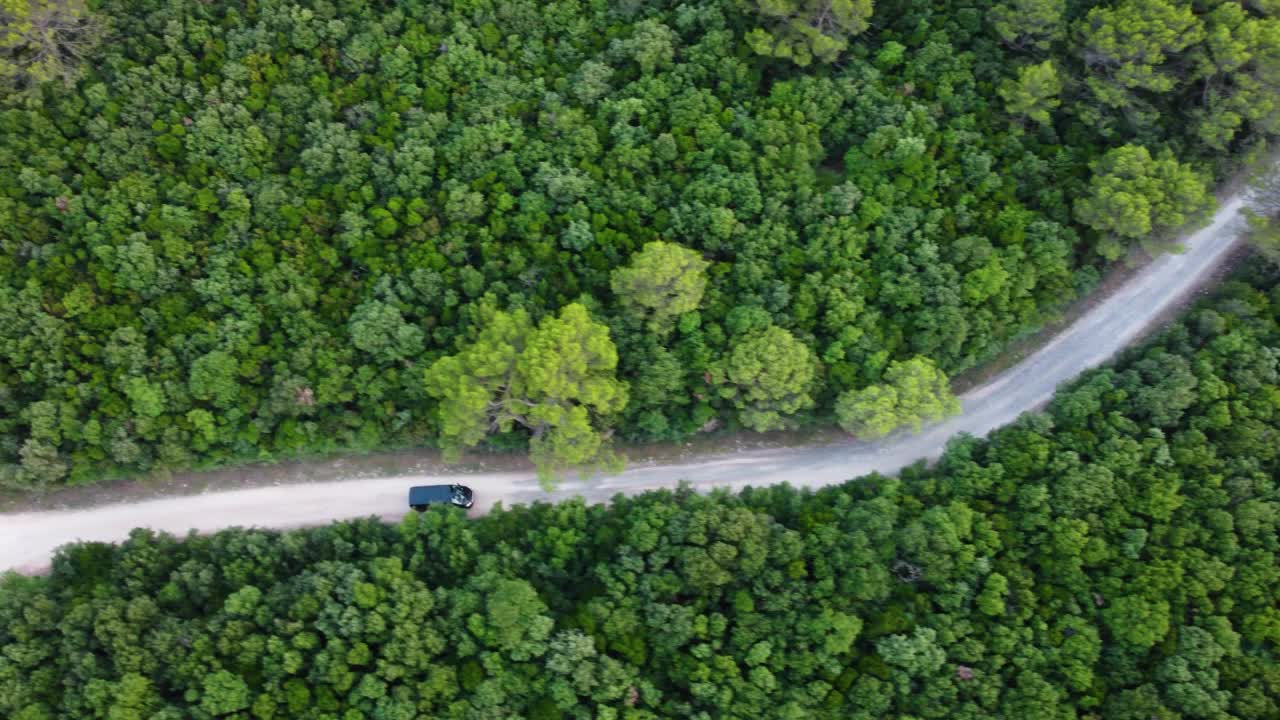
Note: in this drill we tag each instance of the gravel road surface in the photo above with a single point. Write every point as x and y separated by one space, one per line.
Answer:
27 540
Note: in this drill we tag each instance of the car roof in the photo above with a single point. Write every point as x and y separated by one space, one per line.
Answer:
430 493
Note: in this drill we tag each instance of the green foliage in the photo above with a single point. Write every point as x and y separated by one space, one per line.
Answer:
664 280
213 378
1133 45
224 693
1029 24
768 375
555 379
806 30
1031 575
43 40
1034 94
244 229
1263 211
913 392
380 330
1132 194
1137 620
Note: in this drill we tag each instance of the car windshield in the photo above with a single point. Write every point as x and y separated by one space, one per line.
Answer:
459 495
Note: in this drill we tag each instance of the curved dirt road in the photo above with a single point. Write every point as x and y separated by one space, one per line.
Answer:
28 539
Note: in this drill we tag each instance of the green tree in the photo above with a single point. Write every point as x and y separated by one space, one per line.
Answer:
1239 63
515 620
1132 45
224 693
43 40
379 329
1132 194
214 378
1137 620
806 30
556 380
1263 211
663 279
651 45
917 654
768 375
914 392
1034 94
991 601
1028 24
147 400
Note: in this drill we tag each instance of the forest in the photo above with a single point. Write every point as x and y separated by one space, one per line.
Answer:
1117 556
256 229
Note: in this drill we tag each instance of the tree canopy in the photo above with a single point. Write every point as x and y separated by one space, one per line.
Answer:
1132 194
555 379
914 392
1115 556
44 40
663 280
768 376
243 231
803 31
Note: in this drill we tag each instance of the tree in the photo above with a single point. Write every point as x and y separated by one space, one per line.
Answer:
515 621
914 392
379 329
224 693
917 654
806 30
1131 194
1131 43
213 378
1263 211
556 380
1137 620
651 45
664 279
1239 63
1034 94
43 40
1028 24
328 222
768 375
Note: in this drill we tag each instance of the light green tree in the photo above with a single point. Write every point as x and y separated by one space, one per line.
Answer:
1131 43
663 279
379 329
43 40
917 654
146 399
556 380
1239 62
1028 24
806 30
515 620
1136 620
1034 94
1263 213
991 600
224 693
914 391
1132 194
768 375
213 378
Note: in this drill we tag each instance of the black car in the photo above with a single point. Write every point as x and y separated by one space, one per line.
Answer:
423 495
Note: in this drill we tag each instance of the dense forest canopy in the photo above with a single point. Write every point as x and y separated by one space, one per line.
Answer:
1116 557
249 229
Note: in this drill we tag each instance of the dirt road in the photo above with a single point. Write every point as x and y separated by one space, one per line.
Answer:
28 539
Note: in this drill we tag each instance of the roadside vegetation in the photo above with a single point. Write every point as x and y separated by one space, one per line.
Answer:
1117 556
1263 212
252 230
